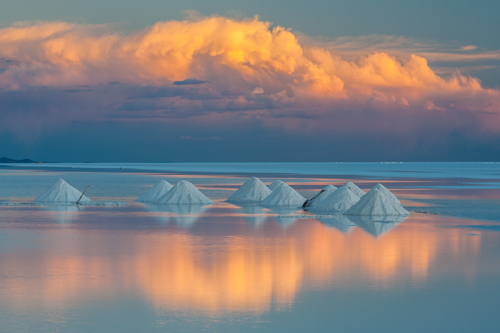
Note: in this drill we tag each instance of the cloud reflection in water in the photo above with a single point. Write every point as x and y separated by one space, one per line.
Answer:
218 263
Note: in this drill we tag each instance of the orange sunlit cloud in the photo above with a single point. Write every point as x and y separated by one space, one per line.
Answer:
248 54
216 82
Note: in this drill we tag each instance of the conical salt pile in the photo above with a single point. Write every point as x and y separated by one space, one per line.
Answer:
61 192
386 192
377 204
284 195
389 196
354 188
274 185
184 193
155 192
253 190
320 196
340 200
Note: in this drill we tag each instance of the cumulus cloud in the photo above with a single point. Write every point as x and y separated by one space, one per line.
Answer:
224 51
216 70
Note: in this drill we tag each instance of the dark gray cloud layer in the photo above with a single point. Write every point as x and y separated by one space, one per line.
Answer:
121 122
190 81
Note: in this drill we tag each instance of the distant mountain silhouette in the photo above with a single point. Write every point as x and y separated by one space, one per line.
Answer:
10 160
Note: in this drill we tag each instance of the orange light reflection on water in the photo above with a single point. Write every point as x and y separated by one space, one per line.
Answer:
251 270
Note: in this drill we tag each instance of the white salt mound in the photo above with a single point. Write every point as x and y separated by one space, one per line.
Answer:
184 193
285 196
274 185
253 190
61 192
155 192
320 196
340 200
354 188
376 204
386 192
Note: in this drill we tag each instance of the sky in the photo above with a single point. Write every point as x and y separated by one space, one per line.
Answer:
165 81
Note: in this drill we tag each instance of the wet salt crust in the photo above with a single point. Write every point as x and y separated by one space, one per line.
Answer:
284 195
480 209
253 190
61 192
184 193
156 192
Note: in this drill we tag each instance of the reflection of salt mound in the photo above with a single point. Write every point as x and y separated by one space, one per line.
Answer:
63 214
253 190
274 185
386 192
320 196
155 192
184 193
159 211
186 215
283 212
340 200
284 195
377 225
61 192
254 214
377 204
62 208
341 223
182 215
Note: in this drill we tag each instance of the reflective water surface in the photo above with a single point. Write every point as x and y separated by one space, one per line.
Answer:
232 268
226 268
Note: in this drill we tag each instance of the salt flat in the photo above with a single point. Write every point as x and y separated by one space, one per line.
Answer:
230 267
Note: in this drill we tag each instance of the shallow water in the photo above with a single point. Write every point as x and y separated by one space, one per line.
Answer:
227 268
480 171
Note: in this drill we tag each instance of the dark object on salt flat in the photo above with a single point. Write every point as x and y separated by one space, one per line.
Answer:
307 201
